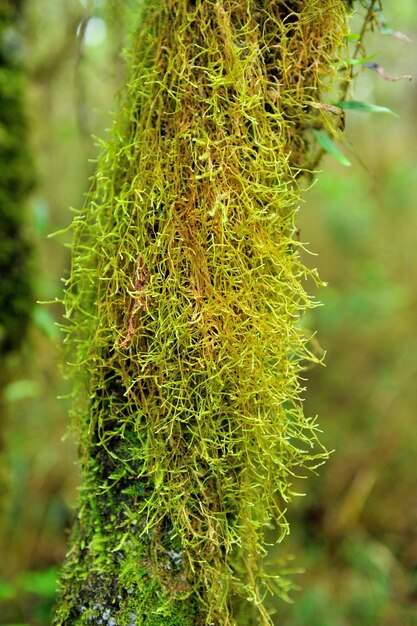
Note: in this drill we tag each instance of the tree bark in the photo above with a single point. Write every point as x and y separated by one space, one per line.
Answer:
184 302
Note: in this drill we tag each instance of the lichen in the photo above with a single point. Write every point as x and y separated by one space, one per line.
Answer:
184 307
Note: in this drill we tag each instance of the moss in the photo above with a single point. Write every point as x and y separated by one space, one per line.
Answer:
113 576
184 307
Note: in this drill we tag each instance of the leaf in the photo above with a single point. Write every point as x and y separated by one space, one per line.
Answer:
41 583
375 67
329 147
385 30
7 591
21 390
353 36
41 214
363 107
398 35
45 322
361 61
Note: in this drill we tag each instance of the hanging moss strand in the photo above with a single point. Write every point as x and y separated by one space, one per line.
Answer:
183 308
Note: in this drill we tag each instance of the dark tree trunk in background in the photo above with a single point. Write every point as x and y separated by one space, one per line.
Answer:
16 180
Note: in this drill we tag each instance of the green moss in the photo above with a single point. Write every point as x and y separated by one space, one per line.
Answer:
113 575
183 307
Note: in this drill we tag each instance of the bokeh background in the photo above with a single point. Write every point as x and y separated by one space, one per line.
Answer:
354 533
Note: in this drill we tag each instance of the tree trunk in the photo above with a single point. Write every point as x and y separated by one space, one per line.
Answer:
183 303
16 180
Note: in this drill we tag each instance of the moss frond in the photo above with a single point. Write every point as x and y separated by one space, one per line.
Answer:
187 291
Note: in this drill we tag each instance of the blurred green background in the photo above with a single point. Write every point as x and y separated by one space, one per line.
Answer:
355 531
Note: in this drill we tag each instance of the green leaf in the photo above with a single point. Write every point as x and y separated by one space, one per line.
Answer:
42 583
328 146
21 390
361 60
7 591
363 107
353 36
45 322
395 33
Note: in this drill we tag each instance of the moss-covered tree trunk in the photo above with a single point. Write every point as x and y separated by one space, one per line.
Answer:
184 305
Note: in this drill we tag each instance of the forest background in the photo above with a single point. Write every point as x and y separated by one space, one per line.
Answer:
355 531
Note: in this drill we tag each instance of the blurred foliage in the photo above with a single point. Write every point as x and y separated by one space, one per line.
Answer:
355 531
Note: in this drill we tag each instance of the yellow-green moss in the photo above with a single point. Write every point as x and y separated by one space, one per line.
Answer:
184 305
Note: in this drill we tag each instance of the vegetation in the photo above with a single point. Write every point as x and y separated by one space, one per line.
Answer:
184 304
359 569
